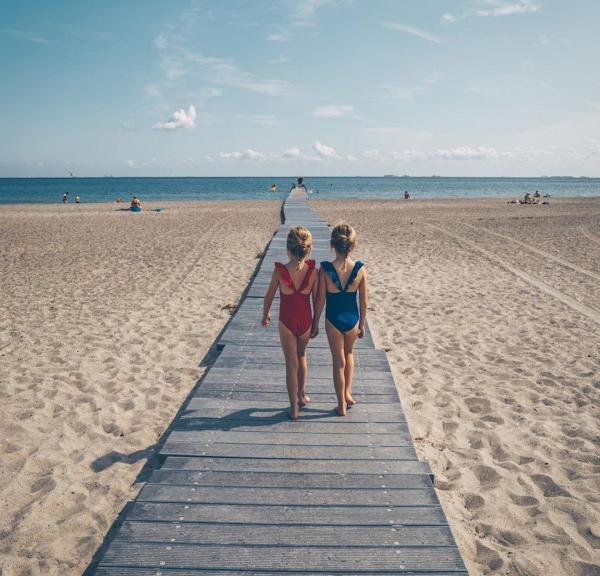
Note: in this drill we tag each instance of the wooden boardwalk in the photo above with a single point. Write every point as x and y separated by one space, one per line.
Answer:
243 490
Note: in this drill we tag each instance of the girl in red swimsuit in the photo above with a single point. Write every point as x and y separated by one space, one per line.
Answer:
297 282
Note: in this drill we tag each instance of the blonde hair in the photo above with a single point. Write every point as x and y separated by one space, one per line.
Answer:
343 238
299 242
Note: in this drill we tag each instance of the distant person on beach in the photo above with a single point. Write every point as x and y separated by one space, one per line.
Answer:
527 198
340 282
301 184
77 199
537 194
65 197
406 195
135 202
297 282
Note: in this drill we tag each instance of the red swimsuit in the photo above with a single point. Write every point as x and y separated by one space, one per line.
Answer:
294 309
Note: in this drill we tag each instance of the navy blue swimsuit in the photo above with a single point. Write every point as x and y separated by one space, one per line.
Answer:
342 308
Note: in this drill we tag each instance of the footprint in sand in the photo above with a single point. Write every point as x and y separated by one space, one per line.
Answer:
477 405
486 475
520 500
488 557
474 502
548 486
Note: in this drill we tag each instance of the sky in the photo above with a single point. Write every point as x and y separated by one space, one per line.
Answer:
288 87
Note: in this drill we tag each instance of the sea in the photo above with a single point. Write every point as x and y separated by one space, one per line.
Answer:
108 189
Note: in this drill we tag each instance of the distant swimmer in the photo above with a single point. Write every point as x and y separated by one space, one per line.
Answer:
406 195
273 187
77 199
65 197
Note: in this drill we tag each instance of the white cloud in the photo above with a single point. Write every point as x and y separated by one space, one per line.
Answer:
466 153
500 8
332 111
277 37
293 153
130 163
326 152
180 119
25 35
449 18
306 10
247 154
160 41
413 31
279 60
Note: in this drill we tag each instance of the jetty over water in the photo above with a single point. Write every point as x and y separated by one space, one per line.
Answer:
243 490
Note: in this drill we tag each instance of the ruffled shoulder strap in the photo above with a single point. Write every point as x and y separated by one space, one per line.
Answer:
332 272
284 274
310 264
357 266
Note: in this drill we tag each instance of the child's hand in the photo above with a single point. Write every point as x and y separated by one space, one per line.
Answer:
265 321
314 331
361 331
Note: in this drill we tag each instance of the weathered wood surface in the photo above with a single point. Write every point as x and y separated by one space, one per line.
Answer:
241 489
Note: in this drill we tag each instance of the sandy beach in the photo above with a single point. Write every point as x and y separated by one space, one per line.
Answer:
491 315
105 317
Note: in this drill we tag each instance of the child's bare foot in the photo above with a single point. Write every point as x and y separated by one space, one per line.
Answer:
350 401
303 400
293 412
340 410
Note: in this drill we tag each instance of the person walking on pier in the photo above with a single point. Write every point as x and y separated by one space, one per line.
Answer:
297 283
339 283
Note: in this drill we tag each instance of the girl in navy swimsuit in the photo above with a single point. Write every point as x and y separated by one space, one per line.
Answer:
297 282
340 282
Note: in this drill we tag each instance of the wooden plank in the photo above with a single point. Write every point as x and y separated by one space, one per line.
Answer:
285 496
289 515
289 479
245 534
294 558
204 437
298 450
297 465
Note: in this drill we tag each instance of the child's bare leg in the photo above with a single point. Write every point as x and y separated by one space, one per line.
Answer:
336 344
349 340
302 368
290 351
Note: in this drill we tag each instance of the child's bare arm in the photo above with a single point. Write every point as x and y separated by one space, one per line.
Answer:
363 295
318 302
269 298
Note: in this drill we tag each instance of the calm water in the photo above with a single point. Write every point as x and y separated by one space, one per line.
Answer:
50 190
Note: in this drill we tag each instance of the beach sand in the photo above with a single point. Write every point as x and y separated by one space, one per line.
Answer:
105 317
491 315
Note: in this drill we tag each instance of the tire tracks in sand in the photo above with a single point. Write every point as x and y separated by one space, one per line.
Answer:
590 313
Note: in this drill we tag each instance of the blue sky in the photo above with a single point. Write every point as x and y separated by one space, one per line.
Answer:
314 87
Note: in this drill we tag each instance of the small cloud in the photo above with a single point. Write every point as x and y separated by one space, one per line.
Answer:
127 126
370 154
180 119
130 163
278 60
466 153
160 41
333 111
413 31
25 36
326 152
449 18
293 153
153 90
277 37
506 9
247 154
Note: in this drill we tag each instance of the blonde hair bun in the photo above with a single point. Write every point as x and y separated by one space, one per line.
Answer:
299 242
343 238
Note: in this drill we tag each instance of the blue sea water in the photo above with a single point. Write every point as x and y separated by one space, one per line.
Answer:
50 190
